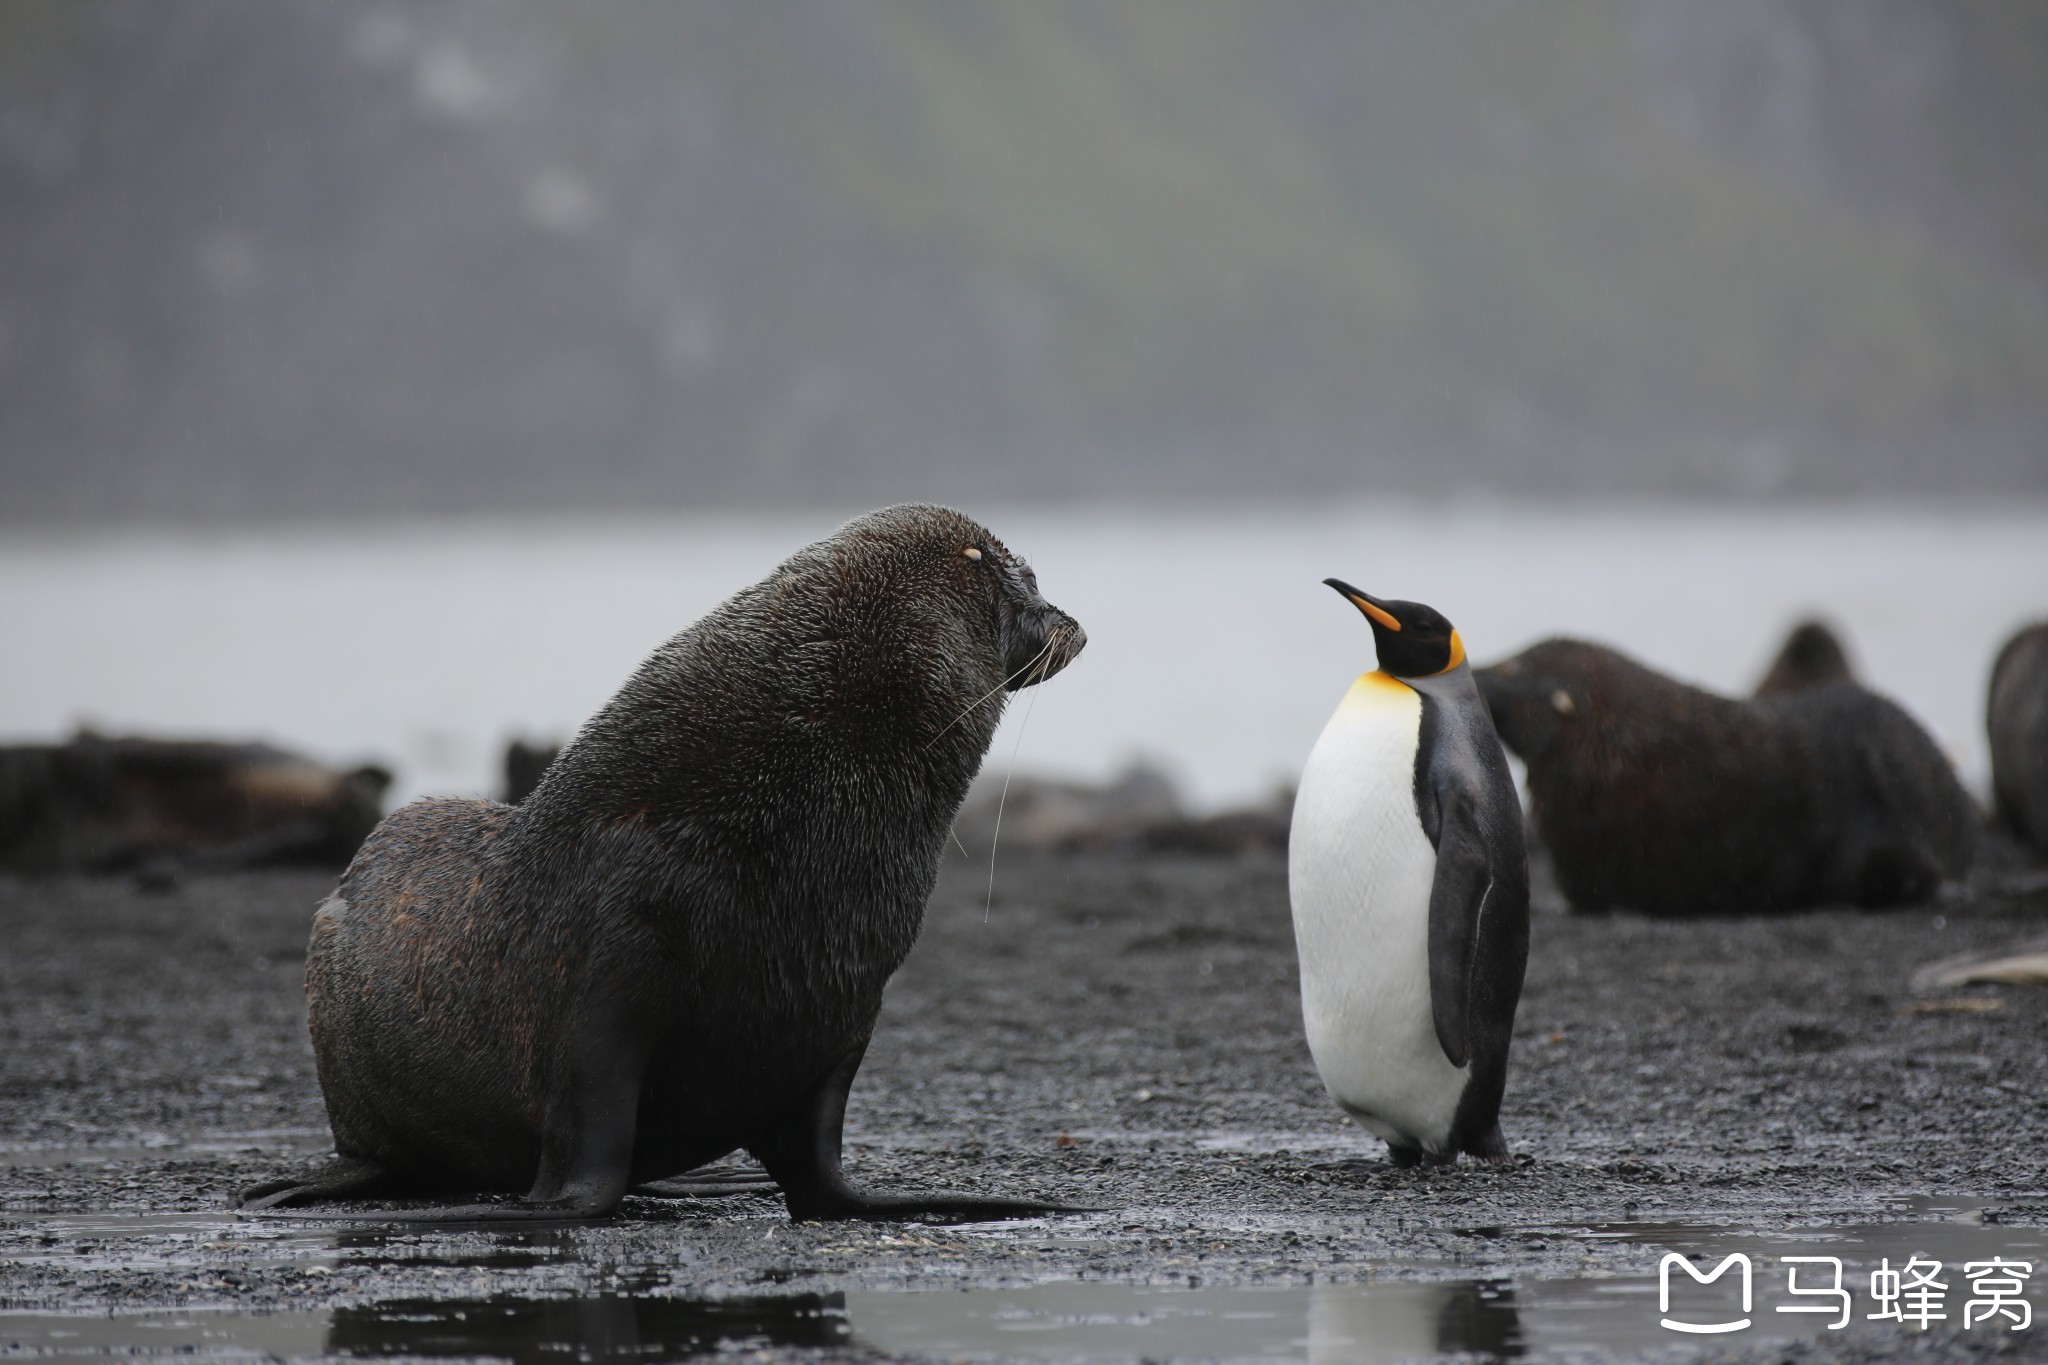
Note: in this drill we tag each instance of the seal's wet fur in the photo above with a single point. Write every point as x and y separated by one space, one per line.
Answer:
676 946
1654 795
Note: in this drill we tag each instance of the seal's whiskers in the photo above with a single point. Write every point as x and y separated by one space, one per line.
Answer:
1060 638
996 837
993 691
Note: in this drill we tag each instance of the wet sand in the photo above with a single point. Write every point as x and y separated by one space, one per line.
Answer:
1115 1032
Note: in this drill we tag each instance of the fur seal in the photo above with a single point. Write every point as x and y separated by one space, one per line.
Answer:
1812 656
524 765
1658 796
100 804
2016 715
676 947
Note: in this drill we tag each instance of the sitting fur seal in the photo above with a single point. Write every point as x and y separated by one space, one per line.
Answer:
1812 656
1658 796
676 946
2017 718
525 764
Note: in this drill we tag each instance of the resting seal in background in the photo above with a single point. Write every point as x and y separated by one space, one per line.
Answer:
164 806
1812 656
676 946
1658 796
2017 718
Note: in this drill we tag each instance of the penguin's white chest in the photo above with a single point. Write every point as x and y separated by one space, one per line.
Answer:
1359 873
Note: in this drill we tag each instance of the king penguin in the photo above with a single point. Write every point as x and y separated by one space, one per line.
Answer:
1410 889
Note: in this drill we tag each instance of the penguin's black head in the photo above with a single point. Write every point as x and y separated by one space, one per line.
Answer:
1414 641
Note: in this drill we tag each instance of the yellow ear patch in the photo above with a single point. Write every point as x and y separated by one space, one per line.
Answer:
1378 614
1457 653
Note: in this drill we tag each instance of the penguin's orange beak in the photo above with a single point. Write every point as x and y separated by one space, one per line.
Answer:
1366 603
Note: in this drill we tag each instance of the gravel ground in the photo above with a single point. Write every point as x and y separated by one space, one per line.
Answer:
1116 1032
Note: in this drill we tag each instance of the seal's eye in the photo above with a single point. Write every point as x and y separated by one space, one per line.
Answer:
971 552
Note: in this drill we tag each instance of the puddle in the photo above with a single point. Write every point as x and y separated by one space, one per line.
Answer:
1947 1230
1386 1320
605 1327
1362 1323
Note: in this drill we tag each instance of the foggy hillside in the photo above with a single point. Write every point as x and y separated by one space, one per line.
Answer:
296 258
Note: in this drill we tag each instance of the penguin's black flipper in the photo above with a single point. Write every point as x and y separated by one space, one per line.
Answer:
1456 902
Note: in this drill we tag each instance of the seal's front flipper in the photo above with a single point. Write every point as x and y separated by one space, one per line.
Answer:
344 1177
802 1153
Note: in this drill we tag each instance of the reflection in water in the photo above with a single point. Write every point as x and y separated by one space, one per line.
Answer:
518 1249
1360 1324
605 1327
1401 1321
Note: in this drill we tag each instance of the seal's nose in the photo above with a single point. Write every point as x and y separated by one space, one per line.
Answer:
1055 640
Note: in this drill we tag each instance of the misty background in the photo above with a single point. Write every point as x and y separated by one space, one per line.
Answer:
314 260
386 379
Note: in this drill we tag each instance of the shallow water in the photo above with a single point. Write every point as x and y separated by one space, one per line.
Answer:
1400 1315
1213 644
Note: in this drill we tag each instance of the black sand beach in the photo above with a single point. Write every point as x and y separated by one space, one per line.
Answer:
1116 1032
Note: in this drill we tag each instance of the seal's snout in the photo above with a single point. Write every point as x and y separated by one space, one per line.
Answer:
1048 641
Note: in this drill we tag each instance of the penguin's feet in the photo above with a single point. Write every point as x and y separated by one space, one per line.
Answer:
1408 1158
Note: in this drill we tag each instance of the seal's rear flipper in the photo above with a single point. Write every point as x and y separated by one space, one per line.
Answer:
802 1153
344 1177
709 1182
585 1157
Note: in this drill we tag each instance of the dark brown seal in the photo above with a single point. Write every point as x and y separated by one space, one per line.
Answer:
2017 718
525 764
1658 796
1812 656
675 948
99 804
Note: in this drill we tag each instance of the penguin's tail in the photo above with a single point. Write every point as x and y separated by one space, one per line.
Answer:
1489 1146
